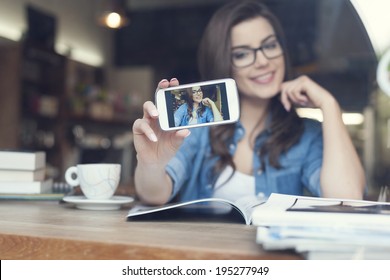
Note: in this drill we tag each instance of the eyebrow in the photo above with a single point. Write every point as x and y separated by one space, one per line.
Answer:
262 41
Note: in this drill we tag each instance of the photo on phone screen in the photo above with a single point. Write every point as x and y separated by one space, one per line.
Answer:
199 104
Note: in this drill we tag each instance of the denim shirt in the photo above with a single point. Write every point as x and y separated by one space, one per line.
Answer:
182 118
191 168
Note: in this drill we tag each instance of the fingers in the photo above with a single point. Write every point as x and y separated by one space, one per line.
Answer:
294 92
150 110
207 102
142 127
164 83
305 92
285 101
150 115
173 82
178 137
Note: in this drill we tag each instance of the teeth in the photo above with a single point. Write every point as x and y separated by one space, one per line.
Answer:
264 77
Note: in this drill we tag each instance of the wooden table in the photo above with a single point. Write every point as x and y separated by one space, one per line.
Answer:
49 230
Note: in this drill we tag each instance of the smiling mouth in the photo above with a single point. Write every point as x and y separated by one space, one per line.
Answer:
264 79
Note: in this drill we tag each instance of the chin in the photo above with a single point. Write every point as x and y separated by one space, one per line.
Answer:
266 92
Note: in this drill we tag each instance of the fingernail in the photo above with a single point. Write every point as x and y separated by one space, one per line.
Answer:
173 79
152 137
163 80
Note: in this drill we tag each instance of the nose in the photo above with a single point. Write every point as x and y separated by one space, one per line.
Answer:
260 59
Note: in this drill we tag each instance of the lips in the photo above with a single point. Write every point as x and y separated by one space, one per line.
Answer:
264 78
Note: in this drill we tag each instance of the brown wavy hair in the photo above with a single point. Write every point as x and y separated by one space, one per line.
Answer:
214 61
190 101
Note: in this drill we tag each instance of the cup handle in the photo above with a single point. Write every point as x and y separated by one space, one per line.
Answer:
74 182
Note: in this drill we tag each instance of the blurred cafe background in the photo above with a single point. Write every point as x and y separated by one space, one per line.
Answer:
73 77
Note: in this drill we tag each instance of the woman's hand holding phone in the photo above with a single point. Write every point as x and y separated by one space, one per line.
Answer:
156 144
153 145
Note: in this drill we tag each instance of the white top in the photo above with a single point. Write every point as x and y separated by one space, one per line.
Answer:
194 118
238 186
239 189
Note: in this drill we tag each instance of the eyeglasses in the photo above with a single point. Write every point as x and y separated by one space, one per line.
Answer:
197 91
245 56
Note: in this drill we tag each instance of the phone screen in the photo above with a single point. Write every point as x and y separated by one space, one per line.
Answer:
197 104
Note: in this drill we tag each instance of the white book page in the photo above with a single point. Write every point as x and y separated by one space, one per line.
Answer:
288 210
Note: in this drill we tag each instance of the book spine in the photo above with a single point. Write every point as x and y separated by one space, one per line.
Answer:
26 187
22 161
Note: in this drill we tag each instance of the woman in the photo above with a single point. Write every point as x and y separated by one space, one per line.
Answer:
196 109
270 149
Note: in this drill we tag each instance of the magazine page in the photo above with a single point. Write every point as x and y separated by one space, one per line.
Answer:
207 209
248 204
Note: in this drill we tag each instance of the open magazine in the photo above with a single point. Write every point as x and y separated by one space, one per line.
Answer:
321 228
207 209
290 210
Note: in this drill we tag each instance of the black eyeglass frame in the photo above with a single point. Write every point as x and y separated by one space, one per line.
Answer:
261 48
198 91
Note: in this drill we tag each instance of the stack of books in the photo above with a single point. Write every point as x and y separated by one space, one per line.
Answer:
23 174
321 228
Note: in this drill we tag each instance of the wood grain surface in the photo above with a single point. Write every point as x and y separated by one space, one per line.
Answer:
49 230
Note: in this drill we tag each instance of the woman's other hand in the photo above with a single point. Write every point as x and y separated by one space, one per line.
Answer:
342 174
207 102
304 92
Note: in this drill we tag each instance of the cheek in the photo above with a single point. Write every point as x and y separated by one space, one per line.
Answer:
239 74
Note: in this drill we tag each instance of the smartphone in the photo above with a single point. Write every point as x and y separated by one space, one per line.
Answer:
198 104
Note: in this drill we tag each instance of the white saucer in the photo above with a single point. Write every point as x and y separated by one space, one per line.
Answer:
114 203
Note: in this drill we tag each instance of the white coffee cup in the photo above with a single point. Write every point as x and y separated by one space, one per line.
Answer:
97 180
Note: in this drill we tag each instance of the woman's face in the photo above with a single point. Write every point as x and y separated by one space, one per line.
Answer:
197 94
263 78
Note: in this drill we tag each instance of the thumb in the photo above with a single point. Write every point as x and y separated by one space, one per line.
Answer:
178 137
